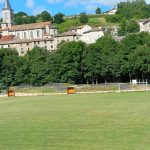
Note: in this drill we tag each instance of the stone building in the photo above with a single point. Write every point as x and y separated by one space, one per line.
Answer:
43 34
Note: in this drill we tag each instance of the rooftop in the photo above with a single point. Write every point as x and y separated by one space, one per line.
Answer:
10 39
69 33
30 26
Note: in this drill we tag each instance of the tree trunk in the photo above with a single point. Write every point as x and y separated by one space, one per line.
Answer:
96 81
87 82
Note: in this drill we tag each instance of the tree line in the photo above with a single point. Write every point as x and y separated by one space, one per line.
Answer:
76 62
24 18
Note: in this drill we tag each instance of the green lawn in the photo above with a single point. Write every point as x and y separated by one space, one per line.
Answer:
76 122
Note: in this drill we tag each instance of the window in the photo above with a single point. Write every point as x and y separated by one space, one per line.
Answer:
18 35
44 31
51 46
27 44
45 42
55 32
25 35
31 35
22 51
38 34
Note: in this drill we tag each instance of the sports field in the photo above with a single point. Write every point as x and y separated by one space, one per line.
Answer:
117 121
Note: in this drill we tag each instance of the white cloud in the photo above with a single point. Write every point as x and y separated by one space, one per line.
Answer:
30 3
35 9
54 1
38 9
1 1
73 3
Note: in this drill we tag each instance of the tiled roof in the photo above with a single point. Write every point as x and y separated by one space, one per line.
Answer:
7 5
7 38
30 26
67 34
144 21
11 40
77 27
94 29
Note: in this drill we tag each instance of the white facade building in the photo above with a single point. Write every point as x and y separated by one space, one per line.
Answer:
144 25
88 34
111 12
92 35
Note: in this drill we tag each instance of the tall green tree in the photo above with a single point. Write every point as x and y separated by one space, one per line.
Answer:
59 18
98 10
92 63
44 16
69 57
132 26
83 18
38 66
108 58
8 66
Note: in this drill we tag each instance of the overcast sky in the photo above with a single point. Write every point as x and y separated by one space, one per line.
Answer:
65 6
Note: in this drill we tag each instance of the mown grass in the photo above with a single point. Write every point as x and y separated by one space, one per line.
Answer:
76 122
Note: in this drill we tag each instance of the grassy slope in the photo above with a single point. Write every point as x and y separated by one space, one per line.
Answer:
94 20
76 122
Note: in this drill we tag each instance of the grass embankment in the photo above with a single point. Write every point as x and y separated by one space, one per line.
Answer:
76 122
34 89
96 88
94 20
62 89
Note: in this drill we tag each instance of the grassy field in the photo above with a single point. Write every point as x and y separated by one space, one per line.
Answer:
76 122
94 20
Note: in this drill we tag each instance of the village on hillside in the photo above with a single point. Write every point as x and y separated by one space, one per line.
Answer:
25 37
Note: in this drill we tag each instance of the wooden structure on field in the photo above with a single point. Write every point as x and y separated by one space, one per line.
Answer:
11 93
71 90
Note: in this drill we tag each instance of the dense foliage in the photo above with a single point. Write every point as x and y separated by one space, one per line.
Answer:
137 9
24 18
130 26
83 18
59 18
134 9
98 10
76 62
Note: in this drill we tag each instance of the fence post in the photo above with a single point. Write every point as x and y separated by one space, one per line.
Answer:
119 88
147 85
